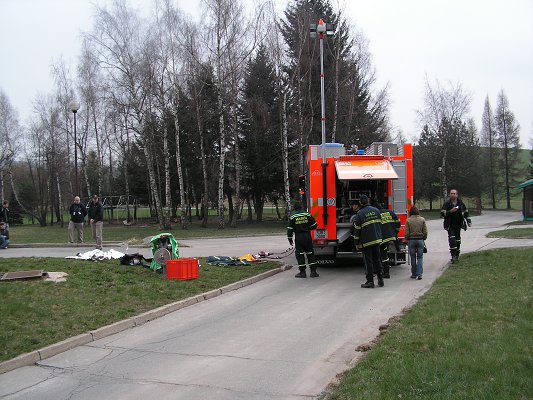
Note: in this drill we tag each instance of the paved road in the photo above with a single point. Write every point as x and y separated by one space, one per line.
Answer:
281 338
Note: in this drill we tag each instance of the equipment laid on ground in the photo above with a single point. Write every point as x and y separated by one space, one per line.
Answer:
164 248
384 173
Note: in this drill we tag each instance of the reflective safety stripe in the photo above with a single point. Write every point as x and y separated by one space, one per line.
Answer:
376 221
374 242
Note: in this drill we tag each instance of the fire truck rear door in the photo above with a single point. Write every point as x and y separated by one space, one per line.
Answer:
399 188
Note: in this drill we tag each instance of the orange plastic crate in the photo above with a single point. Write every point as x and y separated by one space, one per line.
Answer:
182 269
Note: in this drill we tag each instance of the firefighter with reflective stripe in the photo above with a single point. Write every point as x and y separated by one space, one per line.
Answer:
367 234
455 216
301 223
390 226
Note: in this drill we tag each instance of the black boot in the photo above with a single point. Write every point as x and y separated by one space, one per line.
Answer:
301 274
452 253
380 280
313 274
386 271
368 284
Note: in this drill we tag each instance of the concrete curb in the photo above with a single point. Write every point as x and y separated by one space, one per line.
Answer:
34 357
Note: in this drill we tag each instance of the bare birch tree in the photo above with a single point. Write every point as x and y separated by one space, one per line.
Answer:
10 134
125 50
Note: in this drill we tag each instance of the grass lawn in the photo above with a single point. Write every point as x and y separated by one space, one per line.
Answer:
136 233
469 337
526 233
36 313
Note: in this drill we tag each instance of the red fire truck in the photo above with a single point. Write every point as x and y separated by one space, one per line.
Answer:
338 176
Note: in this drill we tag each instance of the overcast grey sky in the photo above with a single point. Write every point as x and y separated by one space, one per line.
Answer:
486 45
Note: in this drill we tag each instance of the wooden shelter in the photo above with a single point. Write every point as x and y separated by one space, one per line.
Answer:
527 200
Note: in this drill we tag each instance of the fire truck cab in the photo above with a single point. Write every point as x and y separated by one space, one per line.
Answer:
383 172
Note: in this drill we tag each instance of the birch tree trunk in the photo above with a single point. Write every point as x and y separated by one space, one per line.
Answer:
221 163
183 203
285 154
237 203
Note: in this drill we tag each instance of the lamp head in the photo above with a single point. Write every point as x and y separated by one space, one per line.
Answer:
74 106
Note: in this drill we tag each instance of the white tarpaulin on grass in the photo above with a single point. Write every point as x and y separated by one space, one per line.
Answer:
98 255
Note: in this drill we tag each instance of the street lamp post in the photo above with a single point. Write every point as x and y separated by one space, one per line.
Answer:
441 191
74 107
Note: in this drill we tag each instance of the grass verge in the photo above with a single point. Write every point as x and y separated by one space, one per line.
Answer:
36 313
136 233
469 337
526 233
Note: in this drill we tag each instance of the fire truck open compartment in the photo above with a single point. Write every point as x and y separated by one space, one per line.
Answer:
384 176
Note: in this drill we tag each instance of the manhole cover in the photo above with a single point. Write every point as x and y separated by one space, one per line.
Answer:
36 273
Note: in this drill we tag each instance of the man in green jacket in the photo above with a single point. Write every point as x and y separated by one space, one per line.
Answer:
367 234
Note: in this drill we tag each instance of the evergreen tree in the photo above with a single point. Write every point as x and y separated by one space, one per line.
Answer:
353 114
260 132
530 168
427 167
508 136
488 140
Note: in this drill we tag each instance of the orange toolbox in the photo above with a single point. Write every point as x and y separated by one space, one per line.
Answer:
182 269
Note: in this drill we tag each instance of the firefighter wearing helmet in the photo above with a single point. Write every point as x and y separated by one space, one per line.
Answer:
301 223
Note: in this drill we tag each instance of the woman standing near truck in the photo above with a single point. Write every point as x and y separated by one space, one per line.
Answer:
416 232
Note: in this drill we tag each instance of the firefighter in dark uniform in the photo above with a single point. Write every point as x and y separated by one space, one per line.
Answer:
367 234
301 223
390 226
456 217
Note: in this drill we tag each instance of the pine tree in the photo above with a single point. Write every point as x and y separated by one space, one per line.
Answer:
488 140
508 136
530 168
260 132
353 113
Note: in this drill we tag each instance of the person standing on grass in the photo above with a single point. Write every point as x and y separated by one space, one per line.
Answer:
301 223
77 213
96 219
4 235
416 232
366 232
456 217
4 213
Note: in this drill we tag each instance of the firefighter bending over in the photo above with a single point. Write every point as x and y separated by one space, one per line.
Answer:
390 226
301 223
367 233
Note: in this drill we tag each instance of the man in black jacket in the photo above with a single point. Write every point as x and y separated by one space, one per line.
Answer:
96 219
367 233
4 213
301 223
456 217
77 213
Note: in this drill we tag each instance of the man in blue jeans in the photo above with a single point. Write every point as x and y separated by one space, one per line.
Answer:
416 232
4 235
